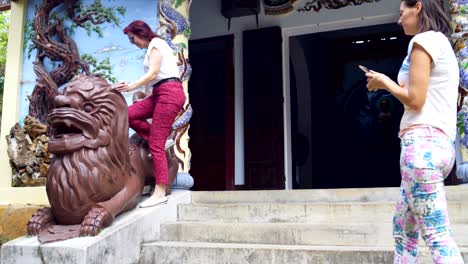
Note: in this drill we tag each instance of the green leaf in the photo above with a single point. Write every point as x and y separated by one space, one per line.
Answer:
122 10
99 31
103 67
187 32
179 3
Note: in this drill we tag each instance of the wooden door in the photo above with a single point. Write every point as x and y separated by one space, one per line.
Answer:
211 89
263 109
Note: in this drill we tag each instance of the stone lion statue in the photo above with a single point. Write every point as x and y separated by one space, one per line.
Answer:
96 172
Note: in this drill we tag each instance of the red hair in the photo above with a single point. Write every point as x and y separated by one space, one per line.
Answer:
141 29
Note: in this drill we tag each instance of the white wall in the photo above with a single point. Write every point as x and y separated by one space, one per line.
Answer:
207 21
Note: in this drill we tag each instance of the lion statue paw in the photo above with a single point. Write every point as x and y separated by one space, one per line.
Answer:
41 219
96 219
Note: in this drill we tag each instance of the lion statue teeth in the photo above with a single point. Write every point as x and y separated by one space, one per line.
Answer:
95 174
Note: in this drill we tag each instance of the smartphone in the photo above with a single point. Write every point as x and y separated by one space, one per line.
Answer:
364 69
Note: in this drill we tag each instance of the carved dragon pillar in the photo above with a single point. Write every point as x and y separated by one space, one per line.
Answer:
175 28
459 14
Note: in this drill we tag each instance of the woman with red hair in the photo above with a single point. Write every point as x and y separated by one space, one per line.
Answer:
167 99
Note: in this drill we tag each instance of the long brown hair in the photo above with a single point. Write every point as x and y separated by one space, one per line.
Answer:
432 16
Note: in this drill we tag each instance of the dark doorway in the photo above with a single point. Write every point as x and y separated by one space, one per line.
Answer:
211 89
263 109
344 136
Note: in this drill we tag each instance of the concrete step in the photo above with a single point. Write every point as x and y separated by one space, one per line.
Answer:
303 213
454 193
318 234
215 253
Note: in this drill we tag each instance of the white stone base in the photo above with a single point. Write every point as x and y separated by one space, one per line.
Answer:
119 243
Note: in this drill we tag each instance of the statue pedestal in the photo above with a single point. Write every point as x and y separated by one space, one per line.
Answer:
119 243
183 181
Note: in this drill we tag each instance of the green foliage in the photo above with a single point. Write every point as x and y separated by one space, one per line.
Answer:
179 3
29 34
89 27
104 67
460 122
122 10
99 31
4 27
98 12
89 18
187 32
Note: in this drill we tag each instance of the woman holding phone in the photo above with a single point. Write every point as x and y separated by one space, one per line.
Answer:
167 98
428 88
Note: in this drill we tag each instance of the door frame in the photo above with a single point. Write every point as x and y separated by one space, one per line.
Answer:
304 30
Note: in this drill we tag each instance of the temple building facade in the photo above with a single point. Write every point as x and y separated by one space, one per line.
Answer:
275 98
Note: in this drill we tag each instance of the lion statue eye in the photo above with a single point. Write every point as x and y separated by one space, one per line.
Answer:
88 108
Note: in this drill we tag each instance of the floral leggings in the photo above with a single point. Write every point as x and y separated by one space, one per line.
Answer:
427 157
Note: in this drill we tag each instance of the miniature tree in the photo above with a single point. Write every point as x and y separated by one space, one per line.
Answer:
48 35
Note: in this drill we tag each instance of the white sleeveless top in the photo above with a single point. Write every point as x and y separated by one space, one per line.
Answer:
440 108
168 67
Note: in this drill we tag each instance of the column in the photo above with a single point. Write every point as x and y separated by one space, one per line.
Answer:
174 26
